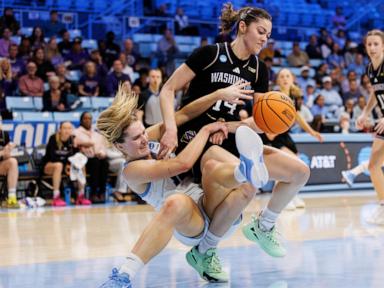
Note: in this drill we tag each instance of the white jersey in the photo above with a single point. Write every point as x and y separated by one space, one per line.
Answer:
157 191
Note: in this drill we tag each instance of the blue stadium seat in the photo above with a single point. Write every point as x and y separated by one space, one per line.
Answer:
37 116
27 31
16 39
89 44
66 116
38 103
86 103
74 33
101 103
74 75
18 103
17 116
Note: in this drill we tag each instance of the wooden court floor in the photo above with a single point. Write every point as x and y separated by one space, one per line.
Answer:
329 245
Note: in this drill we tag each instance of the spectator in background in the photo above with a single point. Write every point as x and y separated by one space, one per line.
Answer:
9 21
130 52
365 86
345 84
318 107
37 38
341 39
45 68
66 86
344 123
93 145
358 109
54 99
25 50
332 99
313 48
150 99
8 168
116 162
30 84
52 52
298 57
271 74
78 56
304 80
166 51
89 82
65 46
126 68
326 47
53 27
321 72
350 52
309 95
357 65
182 24
347 109
115 78
270 51
335 59
353 93
339 20
142 81
112 50
17 64
101 70
5 42
8 84
60 147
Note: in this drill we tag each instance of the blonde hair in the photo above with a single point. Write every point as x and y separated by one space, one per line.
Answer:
374 32
229 16
8 74
120 115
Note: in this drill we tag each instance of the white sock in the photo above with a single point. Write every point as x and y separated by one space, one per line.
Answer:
12 193
56 194
239 177
132 266
210 241
267 219
360 168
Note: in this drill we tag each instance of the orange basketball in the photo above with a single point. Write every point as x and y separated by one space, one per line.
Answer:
274 112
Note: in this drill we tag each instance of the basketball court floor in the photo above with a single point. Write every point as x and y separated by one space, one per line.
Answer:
329 245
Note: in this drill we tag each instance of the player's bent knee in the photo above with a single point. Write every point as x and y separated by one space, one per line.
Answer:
176 206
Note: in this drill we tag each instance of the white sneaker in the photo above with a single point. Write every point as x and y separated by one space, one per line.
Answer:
377 217
290 206
298 202
252 164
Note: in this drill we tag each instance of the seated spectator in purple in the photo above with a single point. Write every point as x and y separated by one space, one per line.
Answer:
53 26
52 52
17 64
44 67
30 84
25 49
89 82
65 85
101 68
313 48
54 99
78 56
37 38
9 21
65 46
5 42
112 50
115 78
8 84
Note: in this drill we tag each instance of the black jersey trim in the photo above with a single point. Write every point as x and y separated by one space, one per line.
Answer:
246 64
215 59
229 55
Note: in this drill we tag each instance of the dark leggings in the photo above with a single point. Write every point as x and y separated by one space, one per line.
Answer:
98 173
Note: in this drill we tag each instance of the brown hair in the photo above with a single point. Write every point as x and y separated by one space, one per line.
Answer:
230 16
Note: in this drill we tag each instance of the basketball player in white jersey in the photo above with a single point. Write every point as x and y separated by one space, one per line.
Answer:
374 45
182 205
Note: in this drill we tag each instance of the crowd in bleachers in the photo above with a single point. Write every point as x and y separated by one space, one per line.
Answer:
51 66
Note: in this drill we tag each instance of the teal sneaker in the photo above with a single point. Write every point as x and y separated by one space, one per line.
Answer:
207 265
266 239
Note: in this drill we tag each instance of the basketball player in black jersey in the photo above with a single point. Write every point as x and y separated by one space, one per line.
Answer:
374 44
209 69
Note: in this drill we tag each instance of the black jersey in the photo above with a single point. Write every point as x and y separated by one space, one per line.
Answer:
216 67
376 78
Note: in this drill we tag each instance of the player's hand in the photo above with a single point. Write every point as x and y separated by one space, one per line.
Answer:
168 144
361 120
235 94
217 138
318 136
379 128
217 127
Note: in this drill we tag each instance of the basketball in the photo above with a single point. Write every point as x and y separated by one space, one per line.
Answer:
274 112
